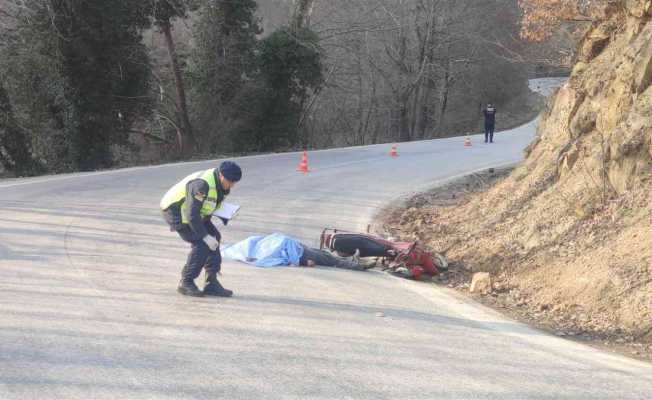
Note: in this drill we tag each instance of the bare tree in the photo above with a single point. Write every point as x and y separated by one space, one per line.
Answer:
410 69
165 11
302 11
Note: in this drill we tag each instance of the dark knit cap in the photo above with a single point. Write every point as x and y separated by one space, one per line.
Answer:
231 171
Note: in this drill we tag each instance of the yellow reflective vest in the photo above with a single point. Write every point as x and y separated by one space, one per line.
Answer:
177 194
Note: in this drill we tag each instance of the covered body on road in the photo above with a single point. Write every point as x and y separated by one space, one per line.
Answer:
278 249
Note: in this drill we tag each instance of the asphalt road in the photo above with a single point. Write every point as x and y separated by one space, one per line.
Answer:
88 307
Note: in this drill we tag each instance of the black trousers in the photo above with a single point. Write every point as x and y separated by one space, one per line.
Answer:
326 259
200 255
489 132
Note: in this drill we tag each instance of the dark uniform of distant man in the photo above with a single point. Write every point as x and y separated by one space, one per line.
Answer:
489 122
188 207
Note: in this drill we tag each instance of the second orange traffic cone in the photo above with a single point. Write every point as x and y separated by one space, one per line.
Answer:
303 165
393 152
467 142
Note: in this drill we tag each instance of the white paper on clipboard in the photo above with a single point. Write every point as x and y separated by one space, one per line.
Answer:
227 210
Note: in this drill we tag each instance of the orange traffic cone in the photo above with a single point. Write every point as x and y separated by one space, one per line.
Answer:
467 142
303 165
393 152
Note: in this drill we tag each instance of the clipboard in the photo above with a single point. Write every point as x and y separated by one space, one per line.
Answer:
227 210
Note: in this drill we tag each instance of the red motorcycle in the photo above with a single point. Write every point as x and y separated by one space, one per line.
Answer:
405 259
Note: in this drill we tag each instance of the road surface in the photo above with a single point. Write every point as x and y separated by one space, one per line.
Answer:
88 307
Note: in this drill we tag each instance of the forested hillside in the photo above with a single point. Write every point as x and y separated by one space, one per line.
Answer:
94 84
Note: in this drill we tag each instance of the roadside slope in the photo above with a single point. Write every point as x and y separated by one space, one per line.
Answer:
568 229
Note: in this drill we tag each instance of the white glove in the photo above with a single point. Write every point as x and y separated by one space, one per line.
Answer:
211 242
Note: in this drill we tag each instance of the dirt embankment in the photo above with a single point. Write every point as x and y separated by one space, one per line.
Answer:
566 234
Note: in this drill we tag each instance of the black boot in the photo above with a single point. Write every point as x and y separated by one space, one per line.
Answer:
188 288
214 288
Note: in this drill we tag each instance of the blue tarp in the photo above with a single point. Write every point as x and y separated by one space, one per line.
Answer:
266 251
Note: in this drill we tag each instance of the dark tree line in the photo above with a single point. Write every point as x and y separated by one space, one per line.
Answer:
74 73
87 84
78 81
249 92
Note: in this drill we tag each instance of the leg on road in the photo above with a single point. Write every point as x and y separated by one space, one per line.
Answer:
326 259
197 257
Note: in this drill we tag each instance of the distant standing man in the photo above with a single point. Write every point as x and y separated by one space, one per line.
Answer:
489 122
188 207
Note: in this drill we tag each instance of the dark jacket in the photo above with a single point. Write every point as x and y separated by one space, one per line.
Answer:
489 115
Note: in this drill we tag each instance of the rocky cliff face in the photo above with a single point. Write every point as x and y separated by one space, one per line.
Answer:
571 227
603 114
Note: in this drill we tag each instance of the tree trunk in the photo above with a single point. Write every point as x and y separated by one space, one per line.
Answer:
186 137
301 14
404 118
444 89
15 149
423 113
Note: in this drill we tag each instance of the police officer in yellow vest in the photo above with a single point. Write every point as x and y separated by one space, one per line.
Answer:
188 207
